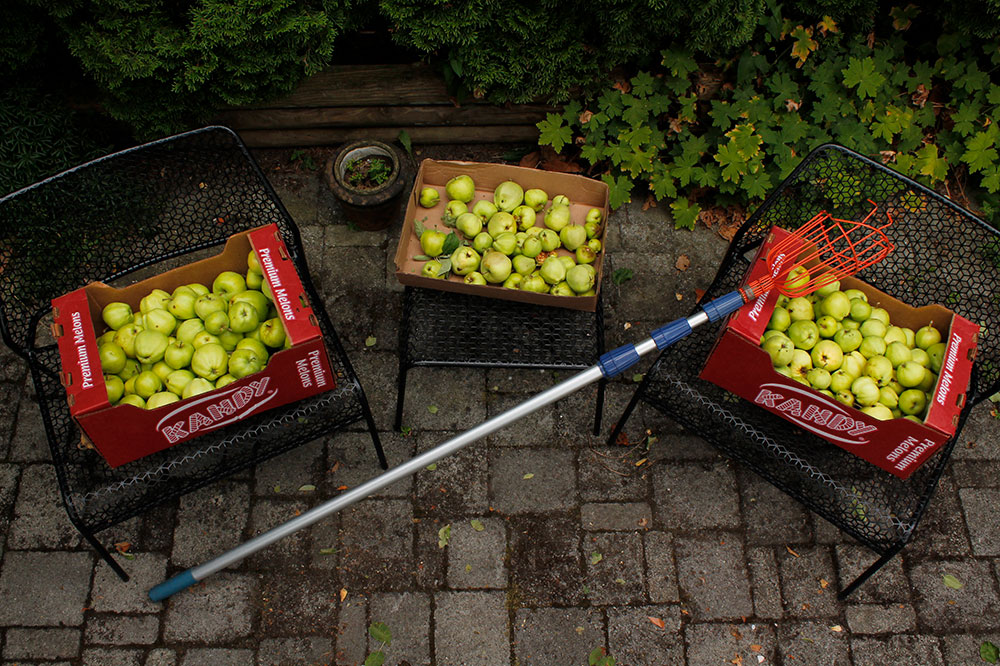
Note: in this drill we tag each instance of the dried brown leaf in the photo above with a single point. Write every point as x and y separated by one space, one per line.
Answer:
683 262
656 621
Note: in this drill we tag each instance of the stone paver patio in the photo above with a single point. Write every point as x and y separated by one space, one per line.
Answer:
559 544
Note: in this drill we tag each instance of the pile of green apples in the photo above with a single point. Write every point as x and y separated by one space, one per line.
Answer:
191 341
498 241
835 341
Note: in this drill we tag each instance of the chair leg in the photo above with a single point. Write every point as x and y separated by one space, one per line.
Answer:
624 417
373 431
869 572
105 555
397 425
599 412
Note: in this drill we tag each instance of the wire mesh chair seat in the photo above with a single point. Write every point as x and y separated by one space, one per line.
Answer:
943 255
113 219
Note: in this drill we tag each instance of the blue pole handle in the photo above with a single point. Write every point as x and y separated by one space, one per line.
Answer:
171 586
723 305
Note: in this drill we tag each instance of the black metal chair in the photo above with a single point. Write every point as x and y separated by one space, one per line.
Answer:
441 328
104 221
943 255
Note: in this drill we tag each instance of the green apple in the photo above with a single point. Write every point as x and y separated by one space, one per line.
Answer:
595 216
935 353
836 304
500 223
572 236
482 242
853 365
522 264
879 368
272 333
474 278
849 324
828 355
553 270
131 369
881 314
210 361
217 322
117 314
536 199
453 210
197 386
432 269
150 346
243 317
585 255
469 224
828 326
513 281
243 362
841 380
224 380
898 352
181 306
429 197
920 356
524 216
464 260
872 345
495 267
550 240
927 336
112 358
910 374
860 310
800 309
912 401
160 320
228 283
106 337
818 378
160 399
134 400
253 263
827 285
146 383
229 339
206 304
928 383
779 320
878 411
154 300
796 279
580 278
115 388
505 242
804 333
532 247
534 283
888 397
508 195
911 337
204 338
800 365
461 188
895 334
856 293
198 288
162 370
865 390
562 289
187 330
432 242
557 217
560 200
257 347
484 210
177 380
873 327
255 298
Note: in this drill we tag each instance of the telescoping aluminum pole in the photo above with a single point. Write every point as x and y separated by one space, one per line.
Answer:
610 365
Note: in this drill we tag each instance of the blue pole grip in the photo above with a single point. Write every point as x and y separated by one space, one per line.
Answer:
181 581
723 305
618 360
670 333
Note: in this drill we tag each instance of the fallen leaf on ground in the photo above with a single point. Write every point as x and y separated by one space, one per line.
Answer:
531 160
656 621
683 262
789 549
343 593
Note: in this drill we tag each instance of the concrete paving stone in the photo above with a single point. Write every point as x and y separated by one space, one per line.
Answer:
881 618
695 496
298 604
772 517
44 588
210 521
160 657
346 280
376 372
283 475
458 483
712 576
115 629
633 638
217 610
351 461
110 595
324 543
808 582
40 519
545 561
476 556
673 447
47 643
111 657
471 628
615 516
218 657
536 429
157 532
28 443
905 649
964 648
661 570
825 532
615 572
376 547
887 585
408 616
429 558
298 195
546 636
608 474
643 298
457 394
573 417
519 381
9 476
943 609
340 235
352 631
978 437
813 643
765 584
311 650
289 552
981 518
974 473
724 642
940 532
552 486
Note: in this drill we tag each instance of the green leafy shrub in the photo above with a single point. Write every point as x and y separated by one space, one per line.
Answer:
738 126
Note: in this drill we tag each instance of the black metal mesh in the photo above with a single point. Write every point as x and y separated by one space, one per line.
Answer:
107 219
943 255
444 328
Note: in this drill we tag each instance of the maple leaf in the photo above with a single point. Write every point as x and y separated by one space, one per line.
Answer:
554 131
930 163
991 181
860 73
685 214
803 44
980 153
620 189
827 25
679 63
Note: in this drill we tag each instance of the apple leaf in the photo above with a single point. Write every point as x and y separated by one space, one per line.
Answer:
554 132
477 524
621 276
528 476
444 534
418 228
307 488
432 409
370 341
952 582
421 257
380 632
327 551
451 243
445 267
860 73
989 652
376 658
596 557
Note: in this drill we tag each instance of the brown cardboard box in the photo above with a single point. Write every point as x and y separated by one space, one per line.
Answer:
584 194
123 433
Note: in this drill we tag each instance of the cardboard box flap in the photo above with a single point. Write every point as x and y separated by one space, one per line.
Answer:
279 272
82 375
956 371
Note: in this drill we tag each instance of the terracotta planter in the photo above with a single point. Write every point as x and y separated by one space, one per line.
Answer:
375 208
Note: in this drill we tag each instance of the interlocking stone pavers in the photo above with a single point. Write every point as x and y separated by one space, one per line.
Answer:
544 636
471 628
723 642
295 651
351 461
813 643
982 518
284 475
114 629
215 611
537 429
806 578
532 480
408 617
615 516
476 556
44 588
772 517
40 519
711 573
881 618
42 643
110 595
615 572
112 657
287 553
888 585
161 657
765 584
941 607
661 571
210 521
352 632
218 657
610 475
457 484
924 650
695 496
941 532
636 639
545 561
457 396
377 545
28 443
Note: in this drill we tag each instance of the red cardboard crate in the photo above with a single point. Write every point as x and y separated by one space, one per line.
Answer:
124 433
899 446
